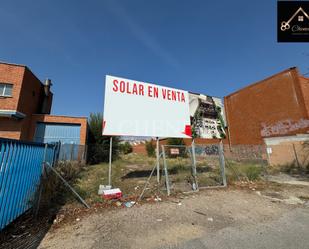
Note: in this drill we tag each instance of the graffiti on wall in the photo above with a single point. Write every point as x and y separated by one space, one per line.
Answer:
283 127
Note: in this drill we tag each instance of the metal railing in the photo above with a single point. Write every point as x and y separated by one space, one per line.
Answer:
72 152
20 174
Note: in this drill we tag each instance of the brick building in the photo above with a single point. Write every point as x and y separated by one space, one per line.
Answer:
25 105
276 106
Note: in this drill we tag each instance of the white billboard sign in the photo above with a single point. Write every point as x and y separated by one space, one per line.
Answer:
133 108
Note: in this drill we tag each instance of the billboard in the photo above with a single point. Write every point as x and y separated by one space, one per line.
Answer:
134 108
207 116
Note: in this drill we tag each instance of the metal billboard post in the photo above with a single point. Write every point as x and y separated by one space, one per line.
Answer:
158 161
110 162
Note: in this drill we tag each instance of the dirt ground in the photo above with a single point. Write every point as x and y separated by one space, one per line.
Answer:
254 216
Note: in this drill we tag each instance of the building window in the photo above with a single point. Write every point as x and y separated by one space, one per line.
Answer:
6 90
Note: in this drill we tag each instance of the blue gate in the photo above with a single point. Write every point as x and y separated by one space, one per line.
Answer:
20 174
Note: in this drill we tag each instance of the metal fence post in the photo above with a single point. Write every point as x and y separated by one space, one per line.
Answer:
222 163
195 185
166 172
85 153
72 149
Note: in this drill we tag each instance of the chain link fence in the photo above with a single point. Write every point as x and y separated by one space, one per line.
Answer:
189 168
210 165
245 162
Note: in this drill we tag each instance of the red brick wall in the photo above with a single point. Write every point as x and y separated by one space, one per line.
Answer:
59 119
277 98
139 149
27 97
10 128
11 74
30 101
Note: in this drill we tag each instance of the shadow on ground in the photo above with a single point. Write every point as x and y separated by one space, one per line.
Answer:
172 171
27 231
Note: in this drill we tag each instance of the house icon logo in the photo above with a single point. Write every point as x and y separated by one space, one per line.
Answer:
300 13
293 21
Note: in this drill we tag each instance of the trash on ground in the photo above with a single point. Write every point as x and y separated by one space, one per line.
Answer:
210 219
157 198
159 219
201 213
114 193
129 204
118 203
102 188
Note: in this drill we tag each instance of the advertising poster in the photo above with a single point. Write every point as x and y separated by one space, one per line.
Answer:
134 108
207 116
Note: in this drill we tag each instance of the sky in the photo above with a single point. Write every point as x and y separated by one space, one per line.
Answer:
209 47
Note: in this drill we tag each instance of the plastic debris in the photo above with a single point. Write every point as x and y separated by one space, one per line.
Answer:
114 193
210 219
129 204
102 188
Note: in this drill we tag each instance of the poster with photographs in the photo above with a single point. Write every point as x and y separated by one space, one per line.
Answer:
207 116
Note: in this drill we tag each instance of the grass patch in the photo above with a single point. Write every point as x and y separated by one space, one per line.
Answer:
236 171
131 171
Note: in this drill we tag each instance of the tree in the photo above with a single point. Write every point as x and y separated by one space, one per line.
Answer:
98 145
150 148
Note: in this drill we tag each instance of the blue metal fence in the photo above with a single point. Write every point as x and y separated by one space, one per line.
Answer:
20 174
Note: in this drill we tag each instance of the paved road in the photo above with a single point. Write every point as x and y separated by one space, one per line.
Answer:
289 232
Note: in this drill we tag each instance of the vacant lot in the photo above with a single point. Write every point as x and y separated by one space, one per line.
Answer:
254 216
250 213
131 172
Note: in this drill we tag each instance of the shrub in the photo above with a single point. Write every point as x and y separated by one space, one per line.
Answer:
54 191
150 148
125 148
253 172
98 145
236 171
